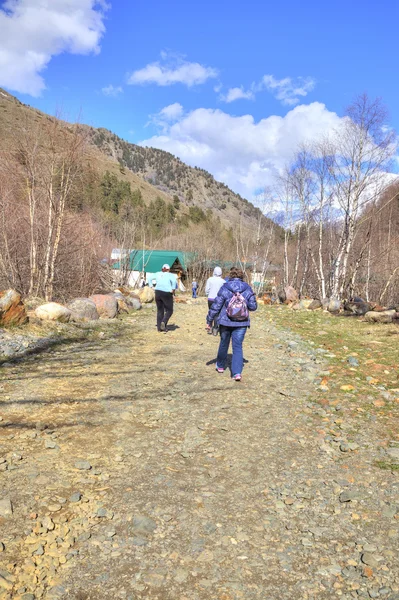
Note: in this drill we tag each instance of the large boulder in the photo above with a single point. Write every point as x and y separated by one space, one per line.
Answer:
357 307
334 305
325 302
83 310
127 303
134 302
146 294
386 316
12 310
291 294
305 302
106 305
315 304
121 302
281 296
52 311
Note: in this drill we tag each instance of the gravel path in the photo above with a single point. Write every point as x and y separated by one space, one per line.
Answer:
133 470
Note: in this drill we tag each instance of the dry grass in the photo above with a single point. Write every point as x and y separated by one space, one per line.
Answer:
376 348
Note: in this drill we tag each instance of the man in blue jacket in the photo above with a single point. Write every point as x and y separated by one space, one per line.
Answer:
231 329
166 284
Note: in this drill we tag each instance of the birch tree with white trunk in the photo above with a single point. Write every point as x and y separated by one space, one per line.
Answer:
363 148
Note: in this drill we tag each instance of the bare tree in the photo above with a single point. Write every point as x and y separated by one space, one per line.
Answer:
363 148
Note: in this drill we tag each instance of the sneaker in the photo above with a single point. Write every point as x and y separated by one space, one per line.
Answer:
163 326
219 369
237 377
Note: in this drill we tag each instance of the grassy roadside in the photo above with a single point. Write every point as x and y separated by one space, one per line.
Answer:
372 385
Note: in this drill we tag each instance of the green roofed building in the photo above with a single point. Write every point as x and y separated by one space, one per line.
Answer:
143 264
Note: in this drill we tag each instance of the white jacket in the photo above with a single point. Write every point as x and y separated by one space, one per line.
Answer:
213 285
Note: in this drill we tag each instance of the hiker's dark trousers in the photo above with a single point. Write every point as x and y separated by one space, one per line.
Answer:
164 301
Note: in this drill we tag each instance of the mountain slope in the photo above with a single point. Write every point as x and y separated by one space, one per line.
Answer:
154 172
193 186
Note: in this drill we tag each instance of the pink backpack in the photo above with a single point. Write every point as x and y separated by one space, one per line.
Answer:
237 309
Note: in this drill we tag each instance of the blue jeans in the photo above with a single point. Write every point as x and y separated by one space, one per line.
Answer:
236 334
194 292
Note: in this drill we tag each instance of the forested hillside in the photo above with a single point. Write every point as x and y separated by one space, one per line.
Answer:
191 185
69 193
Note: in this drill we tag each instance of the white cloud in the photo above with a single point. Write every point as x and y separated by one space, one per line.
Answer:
289 91
170 70
245 154
168 115
32 31
237 93
171 112
111 90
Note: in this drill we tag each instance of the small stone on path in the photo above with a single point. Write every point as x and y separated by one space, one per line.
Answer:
6 509
83 465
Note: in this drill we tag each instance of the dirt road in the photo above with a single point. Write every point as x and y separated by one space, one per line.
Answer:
135 471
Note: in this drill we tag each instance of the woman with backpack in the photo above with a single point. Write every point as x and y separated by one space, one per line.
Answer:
231 311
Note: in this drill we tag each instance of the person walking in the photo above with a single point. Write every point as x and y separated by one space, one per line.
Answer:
166 284
231 309
212 287
194 287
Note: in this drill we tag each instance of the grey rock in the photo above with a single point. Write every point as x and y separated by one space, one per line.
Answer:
369 548
28 596
139 541
134 302
181 575
315 304
393 453
6 509
385 316
143 525
209 528
368 559
41 426
353 361
109 533
83 537
348 446
389 511
57 592
83 465
104 513
49 443
39 551
75 497
83 310
349 495
47 523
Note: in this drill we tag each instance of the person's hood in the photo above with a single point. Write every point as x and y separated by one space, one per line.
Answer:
217 272
236 285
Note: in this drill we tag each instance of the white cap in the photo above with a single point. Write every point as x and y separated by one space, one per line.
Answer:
166 266
217 271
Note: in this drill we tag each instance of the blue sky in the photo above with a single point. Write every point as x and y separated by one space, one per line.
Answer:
296 65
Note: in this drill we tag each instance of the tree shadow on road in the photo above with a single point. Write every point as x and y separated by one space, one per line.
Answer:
42 348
